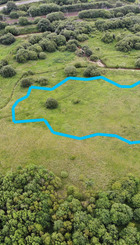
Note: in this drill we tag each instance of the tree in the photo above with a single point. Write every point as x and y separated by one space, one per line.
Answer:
70 71
121 214
7 71
51 103
44 25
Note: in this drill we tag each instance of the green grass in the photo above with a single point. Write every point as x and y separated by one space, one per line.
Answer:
108 53
102 159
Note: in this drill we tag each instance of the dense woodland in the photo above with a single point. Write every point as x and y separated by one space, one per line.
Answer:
32 210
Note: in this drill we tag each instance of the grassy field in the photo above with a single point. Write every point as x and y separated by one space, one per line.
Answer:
103 108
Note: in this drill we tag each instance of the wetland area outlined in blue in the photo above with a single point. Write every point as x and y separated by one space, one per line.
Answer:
69 135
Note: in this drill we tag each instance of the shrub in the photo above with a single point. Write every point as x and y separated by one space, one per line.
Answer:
82 37
78 65
44 25
33 11
32 55
43 81
22 56
70 71
64 174
93 57
87 51
14 15
3 62
47 45
36 47
137 64
42 55
51 103
2 25
28 73
60 40
11 6
26 82
7 71
7 39
34 39
71 47
55 16
36 20
91 71
12 29
108 37
23 21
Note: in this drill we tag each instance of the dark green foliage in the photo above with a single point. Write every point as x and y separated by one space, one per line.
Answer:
2 25
55 16
32 55
11 6
34 11
26 82
108 37
44 25
22 55
3 62
78 65
91 71
32 212
93 57
7 71
70 71
128 42
12 29
71 47
47 45
7 39
82 37
127 22
23 21
51 103
14 15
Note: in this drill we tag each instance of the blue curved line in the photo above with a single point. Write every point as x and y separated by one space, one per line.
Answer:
69 135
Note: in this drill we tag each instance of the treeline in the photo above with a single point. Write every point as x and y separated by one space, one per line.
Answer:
44 9
32 211
126 22
115 12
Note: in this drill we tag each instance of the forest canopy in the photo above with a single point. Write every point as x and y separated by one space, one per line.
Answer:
33 212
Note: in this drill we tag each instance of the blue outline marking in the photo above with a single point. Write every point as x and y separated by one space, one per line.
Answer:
69 135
